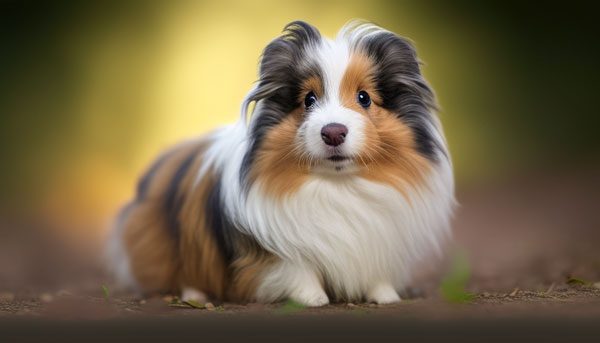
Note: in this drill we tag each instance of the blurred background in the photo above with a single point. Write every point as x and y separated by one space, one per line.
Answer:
92 91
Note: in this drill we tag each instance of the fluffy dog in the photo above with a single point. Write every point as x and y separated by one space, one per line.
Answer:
335 181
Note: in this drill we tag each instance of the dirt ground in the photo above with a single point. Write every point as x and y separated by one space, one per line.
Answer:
532 245
574 301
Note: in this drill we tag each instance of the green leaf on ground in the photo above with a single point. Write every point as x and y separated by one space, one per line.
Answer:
576 281
453 286
291 306
195 304
105 292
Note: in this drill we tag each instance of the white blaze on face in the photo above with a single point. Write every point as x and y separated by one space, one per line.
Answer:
333 58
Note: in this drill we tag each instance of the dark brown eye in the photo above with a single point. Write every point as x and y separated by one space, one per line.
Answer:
364 99
310 99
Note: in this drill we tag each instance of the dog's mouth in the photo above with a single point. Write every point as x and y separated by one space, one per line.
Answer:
337 158
337 163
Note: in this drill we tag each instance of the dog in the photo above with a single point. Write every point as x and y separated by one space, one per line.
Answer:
335 181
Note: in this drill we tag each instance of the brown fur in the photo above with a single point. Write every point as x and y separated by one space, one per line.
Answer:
389 154
248 269
203 266
152 252
279 163
358 76
312 84
159 264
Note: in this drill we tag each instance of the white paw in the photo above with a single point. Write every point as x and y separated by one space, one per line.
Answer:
310 298
383 294
192 294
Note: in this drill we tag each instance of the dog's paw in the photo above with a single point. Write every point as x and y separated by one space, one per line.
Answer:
310 297
383 294
192 294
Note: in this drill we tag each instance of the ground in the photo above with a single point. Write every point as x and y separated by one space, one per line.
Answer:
530 243
579 301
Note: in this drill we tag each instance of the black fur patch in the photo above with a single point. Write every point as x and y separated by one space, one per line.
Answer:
402 87
145 181
220 225
284 66
174 198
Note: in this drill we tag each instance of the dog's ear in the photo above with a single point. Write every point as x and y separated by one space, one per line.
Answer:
399 81
284 53
284 65
398 69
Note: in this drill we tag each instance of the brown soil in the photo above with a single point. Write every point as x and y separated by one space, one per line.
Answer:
524 239
560 301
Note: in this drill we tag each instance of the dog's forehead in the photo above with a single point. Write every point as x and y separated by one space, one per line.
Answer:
332 57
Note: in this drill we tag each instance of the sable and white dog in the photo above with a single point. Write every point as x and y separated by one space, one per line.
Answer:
333 188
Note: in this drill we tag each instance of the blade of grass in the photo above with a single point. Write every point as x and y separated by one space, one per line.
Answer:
105 292
453 286
577 281
290 307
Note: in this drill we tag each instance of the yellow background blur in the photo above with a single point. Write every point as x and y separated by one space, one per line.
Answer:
93 91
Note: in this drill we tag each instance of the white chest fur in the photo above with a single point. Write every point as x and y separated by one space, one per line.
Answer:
350 231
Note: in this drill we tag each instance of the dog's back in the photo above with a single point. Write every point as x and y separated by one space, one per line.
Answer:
145 247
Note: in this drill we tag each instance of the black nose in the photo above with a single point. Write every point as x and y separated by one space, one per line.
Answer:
334 134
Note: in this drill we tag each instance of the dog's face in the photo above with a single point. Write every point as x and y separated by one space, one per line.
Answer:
356 106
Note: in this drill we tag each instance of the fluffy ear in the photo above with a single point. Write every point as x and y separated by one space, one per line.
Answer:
398 70
283 67
399 81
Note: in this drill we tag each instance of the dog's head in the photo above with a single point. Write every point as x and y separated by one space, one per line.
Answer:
355 106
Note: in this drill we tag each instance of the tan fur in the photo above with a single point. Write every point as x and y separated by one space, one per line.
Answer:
279 164
248 269
312 84
160 265
389 154
358 76
152 252
202 265
172 159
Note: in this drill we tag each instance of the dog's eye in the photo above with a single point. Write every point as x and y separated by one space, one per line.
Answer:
310 99
364 99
